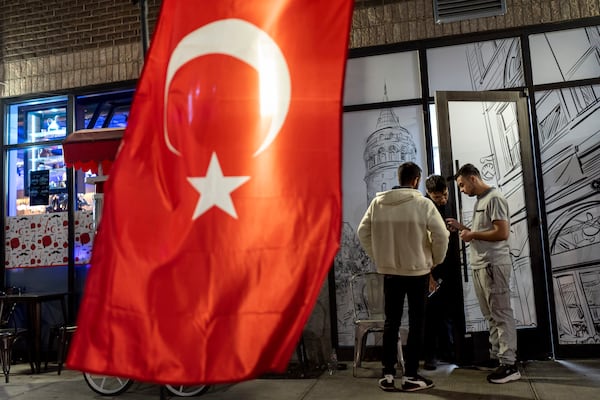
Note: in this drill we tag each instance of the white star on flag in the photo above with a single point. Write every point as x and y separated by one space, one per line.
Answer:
215 189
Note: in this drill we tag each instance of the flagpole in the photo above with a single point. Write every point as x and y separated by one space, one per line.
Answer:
144 25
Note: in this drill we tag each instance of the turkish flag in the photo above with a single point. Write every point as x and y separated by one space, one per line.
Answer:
222 213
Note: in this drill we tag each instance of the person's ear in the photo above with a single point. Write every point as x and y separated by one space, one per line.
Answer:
416 182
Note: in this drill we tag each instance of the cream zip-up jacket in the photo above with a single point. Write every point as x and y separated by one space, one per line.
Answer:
403 233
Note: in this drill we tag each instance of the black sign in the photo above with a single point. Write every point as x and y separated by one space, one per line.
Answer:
39 188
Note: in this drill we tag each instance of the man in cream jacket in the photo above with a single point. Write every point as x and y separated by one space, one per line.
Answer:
405 235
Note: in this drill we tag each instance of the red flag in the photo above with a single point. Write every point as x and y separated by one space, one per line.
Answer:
222 211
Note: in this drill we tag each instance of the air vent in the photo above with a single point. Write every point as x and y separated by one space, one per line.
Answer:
457 10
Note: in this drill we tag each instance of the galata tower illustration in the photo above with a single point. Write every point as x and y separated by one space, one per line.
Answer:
388 146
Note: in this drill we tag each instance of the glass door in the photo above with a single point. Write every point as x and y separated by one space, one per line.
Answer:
491 131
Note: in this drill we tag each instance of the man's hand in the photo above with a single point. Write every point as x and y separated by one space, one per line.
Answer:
453 225
466 235
433 285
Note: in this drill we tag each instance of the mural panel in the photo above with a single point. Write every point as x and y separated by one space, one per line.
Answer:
569 135
490 65
365 77
376 142
564 56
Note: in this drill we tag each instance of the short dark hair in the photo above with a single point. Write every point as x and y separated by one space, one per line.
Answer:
407 172
467 170
436 184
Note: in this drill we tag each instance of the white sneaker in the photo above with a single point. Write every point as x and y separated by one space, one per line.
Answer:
416 382
387 383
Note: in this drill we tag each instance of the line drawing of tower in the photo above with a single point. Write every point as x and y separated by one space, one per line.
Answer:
385 148
388 146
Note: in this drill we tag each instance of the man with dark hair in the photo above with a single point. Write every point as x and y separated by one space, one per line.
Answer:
444 319
405 236
492 266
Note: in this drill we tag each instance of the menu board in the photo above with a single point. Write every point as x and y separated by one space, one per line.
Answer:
39 188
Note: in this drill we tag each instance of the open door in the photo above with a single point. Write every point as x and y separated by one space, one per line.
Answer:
491 131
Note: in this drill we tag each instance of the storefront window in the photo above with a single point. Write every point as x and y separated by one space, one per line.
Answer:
37 121
104 110
36 173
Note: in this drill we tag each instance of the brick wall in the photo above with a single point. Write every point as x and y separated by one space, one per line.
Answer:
377 22
61 44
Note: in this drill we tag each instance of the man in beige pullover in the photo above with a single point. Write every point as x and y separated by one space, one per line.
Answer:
405 235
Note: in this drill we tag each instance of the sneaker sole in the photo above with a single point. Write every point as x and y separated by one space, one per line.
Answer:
486 369
512 377
416 389
392 388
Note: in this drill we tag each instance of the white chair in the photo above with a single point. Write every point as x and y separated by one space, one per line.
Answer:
366 289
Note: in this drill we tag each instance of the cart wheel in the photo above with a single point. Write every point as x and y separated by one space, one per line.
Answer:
107 385
187 391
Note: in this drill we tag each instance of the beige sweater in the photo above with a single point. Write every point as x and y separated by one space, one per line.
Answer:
403 233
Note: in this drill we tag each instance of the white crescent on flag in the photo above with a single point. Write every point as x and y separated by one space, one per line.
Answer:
246 42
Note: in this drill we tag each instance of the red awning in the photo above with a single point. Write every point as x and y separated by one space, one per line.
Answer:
86 149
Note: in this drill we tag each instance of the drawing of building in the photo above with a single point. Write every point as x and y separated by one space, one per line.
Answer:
385 148
569 136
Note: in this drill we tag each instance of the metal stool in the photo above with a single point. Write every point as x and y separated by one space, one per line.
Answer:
64 334
64 337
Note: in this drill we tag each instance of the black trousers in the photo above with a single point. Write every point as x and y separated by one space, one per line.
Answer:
439 325
395 288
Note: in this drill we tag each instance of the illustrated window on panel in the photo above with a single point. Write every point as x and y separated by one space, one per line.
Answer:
584 97
36 173
485 53
591 289
575 317
510 134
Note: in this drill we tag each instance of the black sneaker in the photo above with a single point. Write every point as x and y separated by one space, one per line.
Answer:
488 365
387 383
416 382
430 365
504 374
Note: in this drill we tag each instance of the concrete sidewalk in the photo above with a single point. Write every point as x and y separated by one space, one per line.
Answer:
547 380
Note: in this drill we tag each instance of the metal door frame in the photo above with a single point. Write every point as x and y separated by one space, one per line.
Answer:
533 343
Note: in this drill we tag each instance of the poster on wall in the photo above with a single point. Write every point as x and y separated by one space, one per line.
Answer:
375 143
39 188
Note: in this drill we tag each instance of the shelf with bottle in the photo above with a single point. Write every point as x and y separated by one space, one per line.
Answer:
45 135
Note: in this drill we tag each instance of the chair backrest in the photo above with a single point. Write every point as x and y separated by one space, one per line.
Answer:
367 296
7 311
